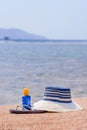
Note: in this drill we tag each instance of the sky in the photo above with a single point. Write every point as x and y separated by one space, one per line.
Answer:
55 19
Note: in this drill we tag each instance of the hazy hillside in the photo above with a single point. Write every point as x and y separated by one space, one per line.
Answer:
17 34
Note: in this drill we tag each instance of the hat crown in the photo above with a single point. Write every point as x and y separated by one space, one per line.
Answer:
58 94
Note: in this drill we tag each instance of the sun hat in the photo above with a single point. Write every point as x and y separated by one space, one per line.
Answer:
57 99
26 91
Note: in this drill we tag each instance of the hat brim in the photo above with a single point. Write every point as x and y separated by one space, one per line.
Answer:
56 107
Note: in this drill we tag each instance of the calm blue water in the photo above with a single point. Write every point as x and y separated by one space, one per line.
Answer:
38 65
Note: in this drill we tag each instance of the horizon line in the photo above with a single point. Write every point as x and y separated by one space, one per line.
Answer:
47 40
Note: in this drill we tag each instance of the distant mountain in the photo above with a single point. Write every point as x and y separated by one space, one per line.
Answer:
18 34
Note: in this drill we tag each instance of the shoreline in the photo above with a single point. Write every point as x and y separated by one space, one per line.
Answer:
75 120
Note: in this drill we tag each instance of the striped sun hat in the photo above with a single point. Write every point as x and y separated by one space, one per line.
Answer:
57 99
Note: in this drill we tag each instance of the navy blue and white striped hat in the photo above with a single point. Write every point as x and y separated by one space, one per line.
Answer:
57 99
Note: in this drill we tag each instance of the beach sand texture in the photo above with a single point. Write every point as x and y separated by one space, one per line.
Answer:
76 120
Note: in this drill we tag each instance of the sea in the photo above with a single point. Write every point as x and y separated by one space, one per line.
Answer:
37 65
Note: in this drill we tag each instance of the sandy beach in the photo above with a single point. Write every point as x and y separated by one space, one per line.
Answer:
76 120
